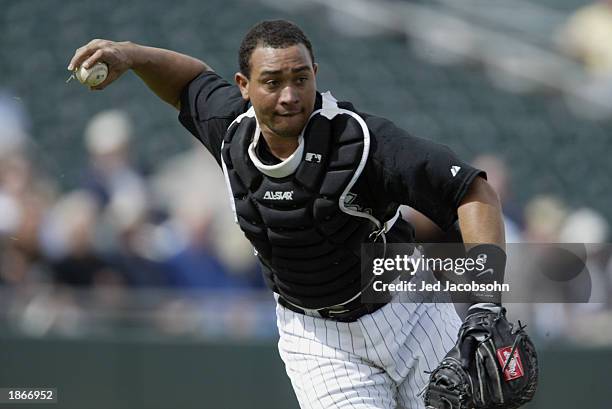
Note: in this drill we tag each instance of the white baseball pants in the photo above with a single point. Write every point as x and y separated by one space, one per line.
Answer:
377 362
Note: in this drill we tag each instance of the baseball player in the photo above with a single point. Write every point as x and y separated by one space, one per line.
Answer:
310 180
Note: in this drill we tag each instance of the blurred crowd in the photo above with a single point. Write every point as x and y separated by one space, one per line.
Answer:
118 227
173 230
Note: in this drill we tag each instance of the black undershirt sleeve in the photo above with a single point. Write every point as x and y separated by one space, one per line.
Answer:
209 104
418 172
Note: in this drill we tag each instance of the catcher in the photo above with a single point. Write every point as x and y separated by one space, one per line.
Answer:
310 180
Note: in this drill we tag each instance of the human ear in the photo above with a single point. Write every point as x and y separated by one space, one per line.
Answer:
243 83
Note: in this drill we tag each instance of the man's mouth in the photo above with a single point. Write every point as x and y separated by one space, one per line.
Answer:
290 113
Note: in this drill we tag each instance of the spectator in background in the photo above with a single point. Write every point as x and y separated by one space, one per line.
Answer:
589 323
24 198
13 264
499 177
69 240
587 36
110 172
587 227
178 175
13 126
173 189
545 216
121 193
134 251
194 261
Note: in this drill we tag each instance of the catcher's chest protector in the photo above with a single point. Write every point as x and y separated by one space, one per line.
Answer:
302 225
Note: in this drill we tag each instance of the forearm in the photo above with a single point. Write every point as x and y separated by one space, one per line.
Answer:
482 228
165 72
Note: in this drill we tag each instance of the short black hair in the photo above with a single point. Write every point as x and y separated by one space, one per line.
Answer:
270 33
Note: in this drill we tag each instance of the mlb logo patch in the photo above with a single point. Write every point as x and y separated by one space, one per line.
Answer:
515 367
313 157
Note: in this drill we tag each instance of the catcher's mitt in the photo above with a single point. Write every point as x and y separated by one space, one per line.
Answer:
492 365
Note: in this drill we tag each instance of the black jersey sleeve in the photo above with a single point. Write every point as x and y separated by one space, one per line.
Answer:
209 104
418 172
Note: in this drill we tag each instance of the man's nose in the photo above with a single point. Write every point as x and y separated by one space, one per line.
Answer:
289 95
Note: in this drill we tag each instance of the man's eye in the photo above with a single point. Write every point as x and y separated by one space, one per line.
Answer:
272 83
302 80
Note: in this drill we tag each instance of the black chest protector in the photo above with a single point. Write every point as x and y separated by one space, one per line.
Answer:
305 231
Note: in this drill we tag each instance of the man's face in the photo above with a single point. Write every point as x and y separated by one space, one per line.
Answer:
281 87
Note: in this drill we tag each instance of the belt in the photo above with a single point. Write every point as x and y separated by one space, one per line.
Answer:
349 312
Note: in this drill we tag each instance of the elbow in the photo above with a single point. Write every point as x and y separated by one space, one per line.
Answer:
481 191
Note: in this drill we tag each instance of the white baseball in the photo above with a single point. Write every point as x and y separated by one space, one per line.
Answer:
92 76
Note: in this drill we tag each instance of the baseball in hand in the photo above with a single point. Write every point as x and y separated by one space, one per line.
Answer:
92 76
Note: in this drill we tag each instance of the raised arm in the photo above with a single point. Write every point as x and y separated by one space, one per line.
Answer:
165 72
